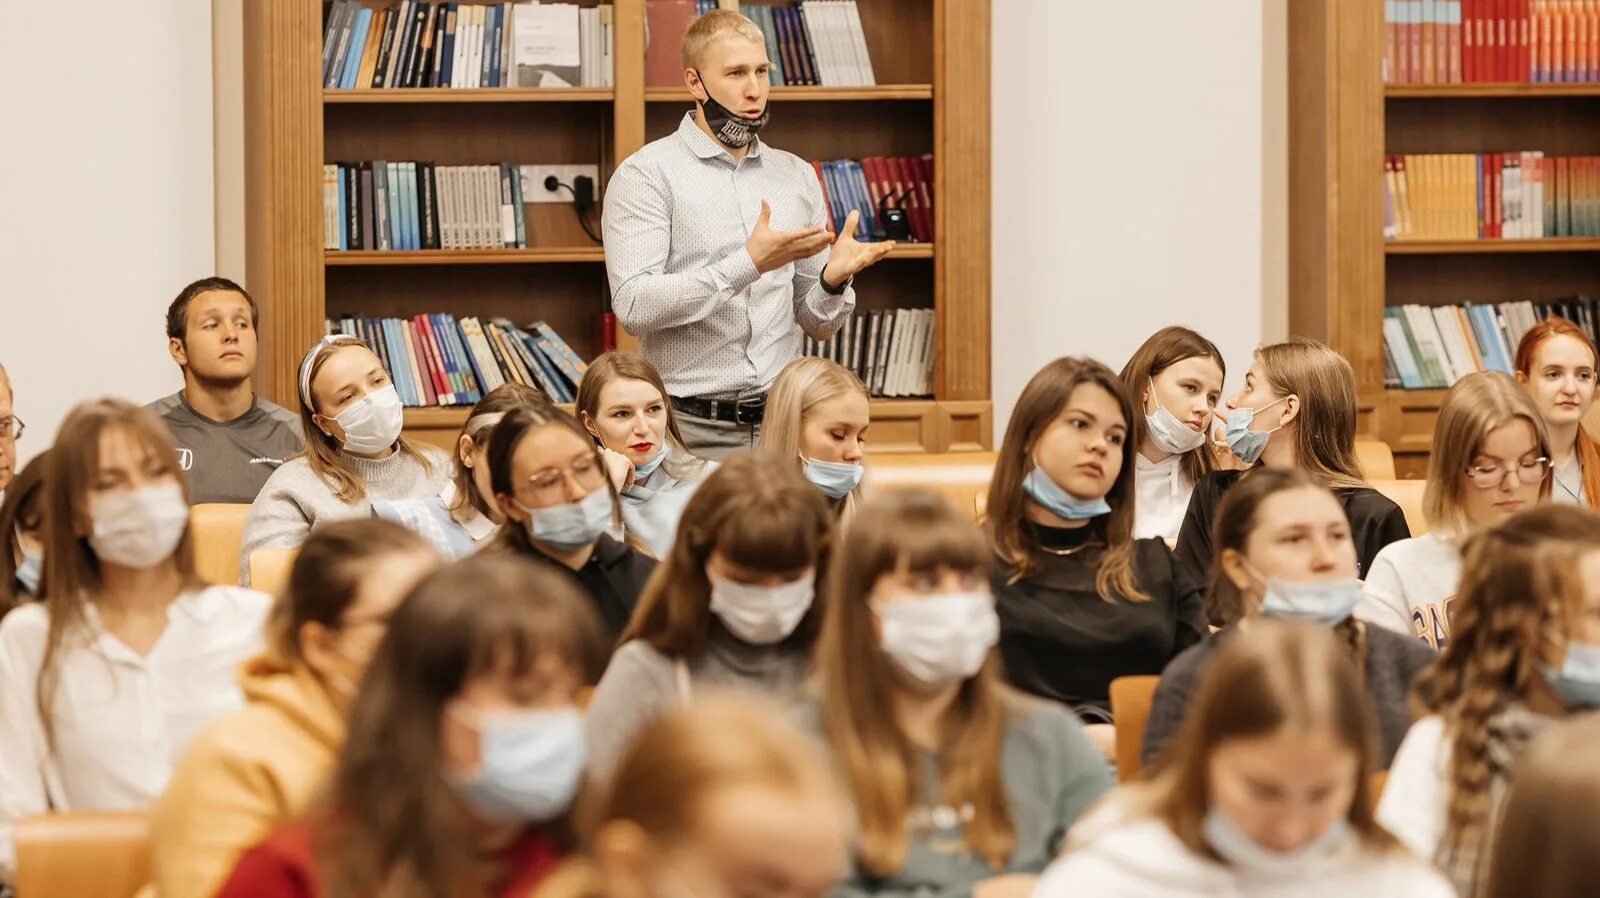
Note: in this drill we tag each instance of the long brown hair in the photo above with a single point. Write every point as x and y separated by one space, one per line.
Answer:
1521 586
1165 348
915 530
72 569
1527 348
392 823
508 435
480 424
802 385
610 367
1274 676
759 513
1477 405
1548 835
1325 430
327 574
23 505
1041 402
322 451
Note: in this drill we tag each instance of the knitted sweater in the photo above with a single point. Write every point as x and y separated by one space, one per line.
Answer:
295 499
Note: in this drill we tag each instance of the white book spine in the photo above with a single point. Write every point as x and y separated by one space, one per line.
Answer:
859 34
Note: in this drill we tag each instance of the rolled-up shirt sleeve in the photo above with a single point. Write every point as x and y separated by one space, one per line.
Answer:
819 313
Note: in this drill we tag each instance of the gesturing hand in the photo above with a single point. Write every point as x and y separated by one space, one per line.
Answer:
771 250
849 256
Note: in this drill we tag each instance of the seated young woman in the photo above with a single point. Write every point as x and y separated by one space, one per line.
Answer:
464 748
724 797
1266 791
354 455
253 770
22 536
550 483
1548 831
1081 601
1522 654
464 516
730 607
1490 460
817 417
622 402
1556 363
961 785
1284 550
104 684
1297 410
1179 375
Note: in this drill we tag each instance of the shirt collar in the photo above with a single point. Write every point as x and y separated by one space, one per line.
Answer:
703 145
477 525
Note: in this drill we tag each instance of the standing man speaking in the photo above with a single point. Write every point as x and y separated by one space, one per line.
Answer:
716 246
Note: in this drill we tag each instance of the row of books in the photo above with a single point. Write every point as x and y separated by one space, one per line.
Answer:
1472 41
1435 346
817 42
444 44
1490 196
384 205
441 360
905 182
891 350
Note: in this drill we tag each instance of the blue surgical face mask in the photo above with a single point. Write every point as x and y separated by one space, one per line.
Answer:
1048 493
641 471
1248 855
1247 444
531 765
1168 433
573 525
835 479
1578 680
29 570
1328 602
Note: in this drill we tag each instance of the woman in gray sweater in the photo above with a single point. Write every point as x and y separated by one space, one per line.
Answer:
354 451
731 607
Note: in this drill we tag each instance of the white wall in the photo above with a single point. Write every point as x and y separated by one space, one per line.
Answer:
1128 180
105 203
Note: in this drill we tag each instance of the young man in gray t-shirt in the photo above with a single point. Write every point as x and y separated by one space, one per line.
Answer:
229 440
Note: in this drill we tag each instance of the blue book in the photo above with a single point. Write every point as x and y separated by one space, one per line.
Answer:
869 215
487 61
358 43
496 49
397 361
447 68
1405 364
344 213
836 204
413 224
445 330
407 203
1483 317
558 384
466 362
372 335
477 372
392 180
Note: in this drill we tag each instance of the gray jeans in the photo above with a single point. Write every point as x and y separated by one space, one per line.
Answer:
716 440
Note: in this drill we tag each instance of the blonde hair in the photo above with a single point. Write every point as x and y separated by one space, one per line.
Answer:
1325 428
714 24
321 453
801 386
5 381
1477 405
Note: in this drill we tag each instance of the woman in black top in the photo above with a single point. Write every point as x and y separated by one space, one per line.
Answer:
1297 410
1081 602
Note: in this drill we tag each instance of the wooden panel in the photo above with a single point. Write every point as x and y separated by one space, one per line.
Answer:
1438 280
904 426
1414 420
1411 466
283 184
962 199
1491 247
1512 89
966 426
469 95
896 284
822 130
1560 126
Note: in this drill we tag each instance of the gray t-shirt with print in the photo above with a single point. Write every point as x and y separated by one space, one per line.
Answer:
228 461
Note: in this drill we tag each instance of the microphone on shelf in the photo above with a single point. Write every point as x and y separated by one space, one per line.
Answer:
896 226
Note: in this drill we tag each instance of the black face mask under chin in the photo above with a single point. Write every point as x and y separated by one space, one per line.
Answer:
732 129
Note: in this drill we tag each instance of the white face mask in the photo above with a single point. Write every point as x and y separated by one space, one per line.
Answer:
139 528
1168 433
940 639
761 615
372 423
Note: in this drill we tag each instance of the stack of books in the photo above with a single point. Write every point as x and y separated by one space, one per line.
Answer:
438 44
419 205
1491 196
904 181
439 360
1475 41
890 350
818 42
1435 346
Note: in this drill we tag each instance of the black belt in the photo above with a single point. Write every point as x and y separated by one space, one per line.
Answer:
748 412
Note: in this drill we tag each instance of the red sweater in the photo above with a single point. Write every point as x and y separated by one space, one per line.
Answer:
284 866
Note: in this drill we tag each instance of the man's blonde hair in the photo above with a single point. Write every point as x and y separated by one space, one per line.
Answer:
714 24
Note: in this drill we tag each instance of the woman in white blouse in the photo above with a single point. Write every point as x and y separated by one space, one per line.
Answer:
103 685
1178 376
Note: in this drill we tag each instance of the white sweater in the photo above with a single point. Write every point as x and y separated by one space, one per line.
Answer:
1161 497
1117 856
1416 794
1412 586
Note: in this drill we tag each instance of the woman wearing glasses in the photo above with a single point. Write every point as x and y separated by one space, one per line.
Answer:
1491 459
560 507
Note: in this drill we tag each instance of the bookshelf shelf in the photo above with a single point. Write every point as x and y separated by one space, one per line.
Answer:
1491 247
532 255
875 92
472 95
1481 91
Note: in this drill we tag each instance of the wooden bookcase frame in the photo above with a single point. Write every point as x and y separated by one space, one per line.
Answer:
293 127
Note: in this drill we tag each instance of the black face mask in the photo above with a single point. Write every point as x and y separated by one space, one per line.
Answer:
732 129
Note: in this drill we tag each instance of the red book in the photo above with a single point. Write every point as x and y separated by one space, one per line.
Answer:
925 181
430 340
1469 40
1525 47
420 376
1413 52
666 21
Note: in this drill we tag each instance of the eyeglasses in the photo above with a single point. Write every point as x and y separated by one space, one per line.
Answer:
1530 470
12 427
548 487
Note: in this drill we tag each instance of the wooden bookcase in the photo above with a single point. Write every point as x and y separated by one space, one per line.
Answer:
1343 121
931 57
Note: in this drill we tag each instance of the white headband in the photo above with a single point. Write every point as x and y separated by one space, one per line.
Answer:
313 354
